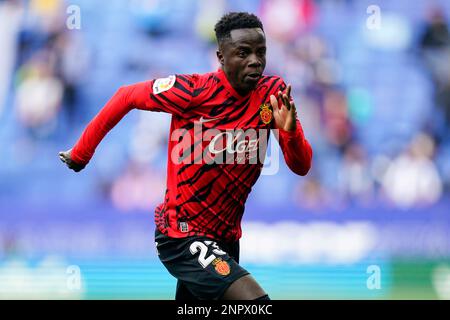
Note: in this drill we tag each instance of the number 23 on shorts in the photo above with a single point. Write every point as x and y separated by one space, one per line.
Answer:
203 248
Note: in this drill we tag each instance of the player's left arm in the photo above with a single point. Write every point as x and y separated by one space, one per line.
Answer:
296 149
162 95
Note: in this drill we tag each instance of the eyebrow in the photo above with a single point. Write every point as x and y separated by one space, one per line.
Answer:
248 46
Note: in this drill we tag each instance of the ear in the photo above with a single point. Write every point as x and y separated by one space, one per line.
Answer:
220 57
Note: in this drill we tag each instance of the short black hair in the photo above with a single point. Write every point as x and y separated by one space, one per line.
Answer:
235 20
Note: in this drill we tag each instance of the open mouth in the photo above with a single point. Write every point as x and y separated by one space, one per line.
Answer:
254 76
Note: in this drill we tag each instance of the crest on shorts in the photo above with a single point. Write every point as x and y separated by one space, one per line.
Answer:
163 84
266 113
183 226
222 267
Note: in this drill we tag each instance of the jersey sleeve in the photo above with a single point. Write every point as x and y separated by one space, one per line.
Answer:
172 95
297 151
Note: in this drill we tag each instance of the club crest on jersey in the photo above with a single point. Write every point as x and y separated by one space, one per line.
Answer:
163 84
266 113
222 267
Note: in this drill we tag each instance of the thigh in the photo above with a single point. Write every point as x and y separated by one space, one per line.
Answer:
245 288
200 264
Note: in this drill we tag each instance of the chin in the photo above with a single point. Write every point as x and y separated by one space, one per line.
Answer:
250 85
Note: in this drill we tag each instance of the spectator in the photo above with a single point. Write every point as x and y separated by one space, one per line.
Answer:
412 178
435 44
355 181
39 96
10 15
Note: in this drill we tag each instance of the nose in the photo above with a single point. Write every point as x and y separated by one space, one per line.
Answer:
254 61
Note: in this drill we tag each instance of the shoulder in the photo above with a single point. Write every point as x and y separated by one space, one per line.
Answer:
201 85
196 81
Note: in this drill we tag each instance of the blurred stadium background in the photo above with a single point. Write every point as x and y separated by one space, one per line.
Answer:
373 97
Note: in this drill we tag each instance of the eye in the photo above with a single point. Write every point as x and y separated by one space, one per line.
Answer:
261 52
242 53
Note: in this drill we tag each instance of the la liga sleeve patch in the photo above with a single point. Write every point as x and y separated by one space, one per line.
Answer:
163 84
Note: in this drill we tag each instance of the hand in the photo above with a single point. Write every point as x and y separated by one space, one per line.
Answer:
65 157
286 115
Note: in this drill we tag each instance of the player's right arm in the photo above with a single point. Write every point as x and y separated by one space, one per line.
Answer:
172 95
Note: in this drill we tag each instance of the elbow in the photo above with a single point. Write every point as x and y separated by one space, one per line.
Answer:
121 91
301 162
124 92
303 167
303 171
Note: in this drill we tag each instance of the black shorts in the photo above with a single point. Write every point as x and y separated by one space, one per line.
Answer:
201 265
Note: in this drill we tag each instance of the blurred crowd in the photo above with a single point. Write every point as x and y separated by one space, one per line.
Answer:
375 104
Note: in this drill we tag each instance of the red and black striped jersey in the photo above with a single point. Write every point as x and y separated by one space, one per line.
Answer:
216 147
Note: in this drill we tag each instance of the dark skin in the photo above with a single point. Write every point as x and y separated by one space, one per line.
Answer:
243 59
65 156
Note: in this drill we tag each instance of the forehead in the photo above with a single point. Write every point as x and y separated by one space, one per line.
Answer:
250 36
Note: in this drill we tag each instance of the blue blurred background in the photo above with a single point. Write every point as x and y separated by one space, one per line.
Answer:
372 85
